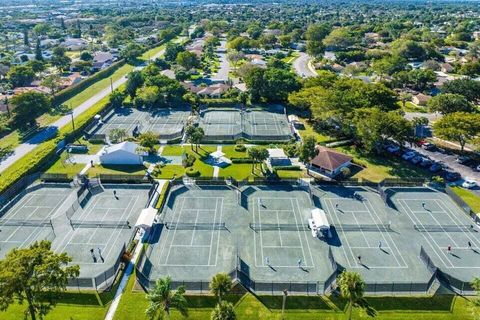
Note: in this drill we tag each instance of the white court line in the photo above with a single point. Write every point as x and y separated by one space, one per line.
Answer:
213 232
165 241
191 246
174 232
333 213
304 233
193 231
438 223
279 232
455 218
386 234
404 207
261 235
279 247
218 231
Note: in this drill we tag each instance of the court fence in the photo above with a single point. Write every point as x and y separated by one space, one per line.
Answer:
462 204
102 281
456 285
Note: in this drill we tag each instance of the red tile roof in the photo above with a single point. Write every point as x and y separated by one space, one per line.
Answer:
329 159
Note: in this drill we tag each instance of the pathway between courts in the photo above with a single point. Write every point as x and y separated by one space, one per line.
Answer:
216 168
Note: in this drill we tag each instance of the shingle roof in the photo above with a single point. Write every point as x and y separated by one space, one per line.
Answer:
329 159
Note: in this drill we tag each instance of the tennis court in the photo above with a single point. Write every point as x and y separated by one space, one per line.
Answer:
204 229
94 233
384 241
37 207
164 122
222 124
265 124
269 124
438 224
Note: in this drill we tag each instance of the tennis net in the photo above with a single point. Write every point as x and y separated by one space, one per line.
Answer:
278 226
25 223
100 224
444 228
364 227
195 226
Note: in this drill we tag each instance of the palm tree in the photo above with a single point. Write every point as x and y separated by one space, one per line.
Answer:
352 287
476 287
258 155
163 299
223 311
220 285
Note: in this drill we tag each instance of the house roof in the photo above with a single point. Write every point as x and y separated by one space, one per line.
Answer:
127 146
276 153
329 159
422 97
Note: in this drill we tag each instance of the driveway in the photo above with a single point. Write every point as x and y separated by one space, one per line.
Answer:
300 65
449 161
53 128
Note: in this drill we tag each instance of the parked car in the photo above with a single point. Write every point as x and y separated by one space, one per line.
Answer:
463 159
429 146
417 159
452 176
469 183
436 167
409 155
393 148
478 168
426 163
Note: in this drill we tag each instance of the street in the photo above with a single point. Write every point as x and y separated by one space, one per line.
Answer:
301 67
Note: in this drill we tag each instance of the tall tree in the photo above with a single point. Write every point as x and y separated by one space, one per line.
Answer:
162 299
38 50
134 81
187 59
36 275
307 150
461 127
29 105
468 88
352 287
52 82
26 42
315 34
258 155
446 103
220 285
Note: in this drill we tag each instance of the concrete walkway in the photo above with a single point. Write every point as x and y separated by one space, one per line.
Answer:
216 169
303 66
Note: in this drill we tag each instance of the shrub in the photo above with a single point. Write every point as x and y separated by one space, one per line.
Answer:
192 172
189 160
240 148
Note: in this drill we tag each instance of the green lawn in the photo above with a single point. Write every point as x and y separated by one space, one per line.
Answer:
171 170
62 165
469 197
377 168
440 307
73 305
116 169
411 107
308 131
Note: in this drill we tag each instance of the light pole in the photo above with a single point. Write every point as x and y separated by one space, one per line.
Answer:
111 85
73 121
285 294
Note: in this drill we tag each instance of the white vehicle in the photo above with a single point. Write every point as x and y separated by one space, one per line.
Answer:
409 155
478 168
469 183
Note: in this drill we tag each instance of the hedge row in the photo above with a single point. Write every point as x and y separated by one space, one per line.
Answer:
70 92
289 168
241 160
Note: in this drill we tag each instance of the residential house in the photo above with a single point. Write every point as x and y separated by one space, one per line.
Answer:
74 44
329 162
421 99
102 60
446 67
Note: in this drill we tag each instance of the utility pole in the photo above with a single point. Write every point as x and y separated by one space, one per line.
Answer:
111 85
285 294
73 121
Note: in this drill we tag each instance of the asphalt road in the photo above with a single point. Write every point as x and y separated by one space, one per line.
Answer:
52 129
300 65
223 72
